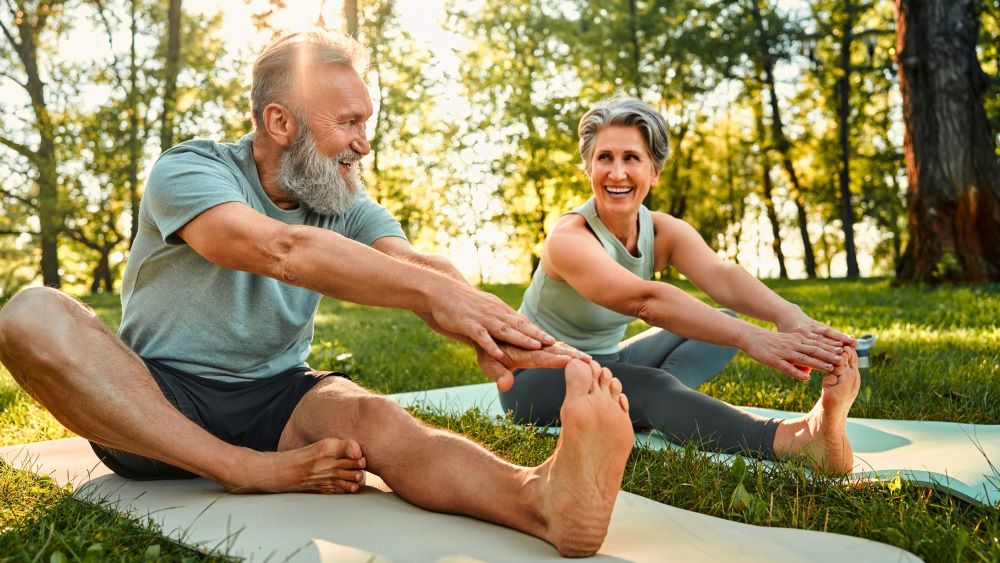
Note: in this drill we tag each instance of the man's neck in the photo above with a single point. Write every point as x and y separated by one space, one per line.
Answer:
267 158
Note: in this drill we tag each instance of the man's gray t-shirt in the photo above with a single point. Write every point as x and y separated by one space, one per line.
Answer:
182 310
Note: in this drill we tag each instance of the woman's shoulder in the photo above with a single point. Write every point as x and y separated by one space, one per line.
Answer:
569 223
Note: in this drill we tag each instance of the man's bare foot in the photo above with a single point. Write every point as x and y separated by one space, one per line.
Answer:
585 472
821 435
327 466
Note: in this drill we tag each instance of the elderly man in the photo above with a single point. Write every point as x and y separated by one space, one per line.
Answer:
236 244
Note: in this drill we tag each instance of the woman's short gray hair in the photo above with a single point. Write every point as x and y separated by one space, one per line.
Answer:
280 64
622 110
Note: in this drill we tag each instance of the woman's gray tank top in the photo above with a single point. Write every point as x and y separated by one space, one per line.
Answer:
555 307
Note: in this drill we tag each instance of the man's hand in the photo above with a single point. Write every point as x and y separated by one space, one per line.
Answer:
501 370
486 320
806 326
785 351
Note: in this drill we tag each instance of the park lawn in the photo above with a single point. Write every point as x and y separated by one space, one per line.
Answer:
938 358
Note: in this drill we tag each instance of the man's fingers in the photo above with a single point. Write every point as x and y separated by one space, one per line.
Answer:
515 329
505 382
478 334
563 349
522 324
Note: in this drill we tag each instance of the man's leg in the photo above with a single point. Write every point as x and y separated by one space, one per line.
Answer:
64 357
566 501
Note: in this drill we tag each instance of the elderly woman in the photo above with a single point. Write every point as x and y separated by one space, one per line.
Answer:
595 278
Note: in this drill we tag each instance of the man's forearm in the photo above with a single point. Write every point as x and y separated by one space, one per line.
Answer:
342 268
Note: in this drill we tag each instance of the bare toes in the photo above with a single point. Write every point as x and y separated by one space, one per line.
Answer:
605 378
615 387
623 402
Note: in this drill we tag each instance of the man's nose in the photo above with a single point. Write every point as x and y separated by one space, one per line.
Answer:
360 142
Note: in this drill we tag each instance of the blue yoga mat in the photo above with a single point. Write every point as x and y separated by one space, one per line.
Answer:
954 457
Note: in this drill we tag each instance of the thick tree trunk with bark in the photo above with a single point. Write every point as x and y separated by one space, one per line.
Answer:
953 171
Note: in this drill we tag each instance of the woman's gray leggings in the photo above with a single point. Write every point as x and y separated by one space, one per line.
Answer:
658 371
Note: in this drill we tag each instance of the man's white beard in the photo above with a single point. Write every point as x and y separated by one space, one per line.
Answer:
315 181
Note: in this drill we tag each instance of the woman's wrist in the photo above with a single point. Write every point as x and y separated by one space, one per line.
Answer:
789 316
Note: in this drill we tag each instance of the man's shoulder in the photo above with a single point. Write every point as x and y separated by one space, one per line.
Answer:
205 151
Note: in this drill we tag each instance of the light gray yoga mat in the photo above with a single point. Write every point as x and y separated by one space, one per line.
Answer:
956 458
376 526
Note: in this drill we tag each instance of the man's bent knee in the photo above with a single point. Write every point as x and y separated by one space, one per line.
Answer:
34 314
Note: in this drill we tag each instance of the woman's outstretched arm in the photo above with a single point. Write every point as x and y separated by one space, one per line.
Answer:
731 286
573 255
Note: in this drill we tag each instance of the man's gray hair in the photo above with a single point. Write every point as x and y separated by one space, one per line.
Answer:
622 110
289 57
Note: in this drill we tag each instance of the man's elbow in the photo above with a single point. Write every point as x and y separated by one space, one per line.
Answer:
282 256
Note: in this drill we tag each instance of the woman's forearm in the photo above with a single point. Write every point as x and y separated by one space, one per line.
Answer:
670 308
745 294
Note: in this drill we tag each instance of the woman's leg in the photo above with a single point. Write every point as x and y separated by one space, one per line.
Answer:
656 400
693 362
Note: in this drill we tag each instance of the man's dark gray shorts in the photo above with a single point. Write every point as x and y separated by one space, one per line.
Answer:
251 414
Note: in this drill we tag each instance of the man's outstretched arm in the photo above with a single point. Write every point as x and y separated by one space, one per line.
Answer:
233 235
500 370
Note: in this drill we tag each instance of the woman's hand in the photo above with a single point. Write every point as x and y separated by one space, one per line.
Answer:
801 323
785 351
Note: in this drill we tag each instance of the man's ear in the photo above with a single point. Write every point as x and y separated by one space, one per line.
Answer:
280 124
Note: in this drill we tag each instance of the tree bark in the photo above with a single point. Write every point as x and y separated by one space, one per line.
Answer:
50 221
781 143
351 17
767 189
951 163
134 142
171 70
844 114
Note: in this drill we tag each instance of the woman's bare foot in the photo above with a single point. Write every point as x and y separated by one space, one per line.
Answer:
821 435
585 472
327 466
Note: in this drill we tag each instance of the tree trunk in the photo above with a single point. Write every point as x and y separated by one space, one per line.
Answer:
351 17
844 113
171 70
134 143
44 157
780 140
766 187
954 176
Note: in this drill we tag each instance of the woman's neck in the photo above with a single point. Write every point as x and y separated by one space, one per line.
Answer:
624 227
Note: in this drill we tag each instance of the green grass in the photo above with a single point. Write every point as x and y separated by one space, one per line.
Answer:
938 358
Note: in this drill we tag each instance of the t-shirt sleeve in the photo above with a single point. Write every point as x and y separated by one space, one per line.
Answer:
367 221
184 183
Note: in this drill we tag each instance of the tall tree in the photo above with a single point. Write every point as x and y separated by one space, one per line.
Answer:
23 25
768 57
767 190
171 69
844 114
951 160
